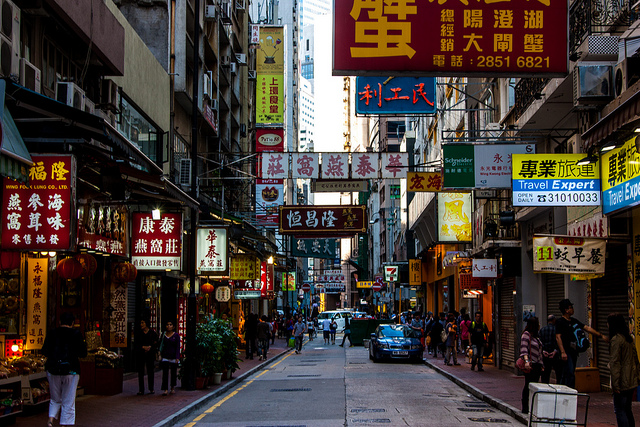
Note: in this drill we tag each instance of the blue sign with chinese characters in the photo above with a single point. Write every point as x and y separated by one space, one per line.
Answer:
396 95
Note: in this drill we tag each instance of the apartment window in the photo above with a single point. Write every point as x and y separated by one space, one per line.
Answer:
137 129
395 130
57 66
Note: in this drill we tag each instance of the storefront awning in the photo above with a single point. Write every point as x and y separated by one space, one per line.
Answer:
15 159
154 187
623 118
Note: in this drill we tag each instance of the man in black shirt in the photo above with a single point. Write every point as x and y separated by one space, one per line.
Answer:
478 334
565 338
550 351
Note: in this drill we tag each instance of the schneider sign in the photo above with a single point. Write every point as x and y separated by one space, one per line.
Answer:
554 180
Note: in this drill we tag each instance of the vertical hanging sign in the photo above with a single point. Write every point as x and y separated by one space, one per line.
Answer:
212 251
118 320
37 281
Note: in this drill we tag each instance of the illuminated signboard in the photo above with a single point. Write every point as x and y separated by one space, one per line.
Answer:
156 244
620 177
554 180
424 181
451 37
454 217
396 95
325 220
212 251
314 248
269 140
269 195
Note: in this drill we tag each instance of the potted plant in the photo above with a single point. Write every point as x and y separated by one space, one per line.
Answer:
216 348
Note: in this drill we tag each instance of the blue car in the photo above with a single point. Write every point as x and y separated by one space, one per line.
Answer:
395 342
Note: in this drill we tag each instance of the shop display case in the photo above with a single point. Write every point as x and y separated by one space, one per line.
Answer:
10 402
9 303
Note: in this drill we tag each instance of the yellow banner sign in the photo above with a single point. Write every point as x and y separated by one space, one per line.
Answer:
454 213
415 272
244 267
270 51
364 285
270 98
37 282
424 181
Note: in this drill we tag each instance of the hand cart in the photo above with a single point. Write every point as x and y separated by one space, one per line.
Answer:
564 411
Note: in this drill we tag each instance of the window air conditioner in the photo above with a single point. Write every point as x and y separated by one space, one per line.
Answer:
206 85
214 104
234 68
210 13
109 96
252 74
89 106
241 58
30 76
10 39
625 74
185 172
592 84
71 94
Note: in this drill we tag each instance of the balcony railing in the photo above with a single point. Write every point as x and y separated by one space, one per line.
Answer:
526 91
587 17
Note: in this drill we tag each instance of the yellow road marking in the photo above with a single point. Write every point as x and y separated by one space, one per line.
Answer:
190 425
198 418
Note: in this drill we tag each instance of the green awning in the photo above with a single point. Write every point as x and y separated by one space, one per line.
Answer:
15 159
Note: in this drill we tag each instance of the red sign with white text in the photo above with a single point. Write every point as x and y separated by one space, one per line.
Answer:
156 244
451 37
38 216
269 140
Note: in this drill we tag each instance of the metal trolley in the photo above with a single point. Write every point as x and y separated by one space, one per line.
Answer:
558 421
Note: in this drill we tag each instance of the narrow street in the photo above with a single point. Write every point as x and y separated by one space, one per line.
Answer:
327 385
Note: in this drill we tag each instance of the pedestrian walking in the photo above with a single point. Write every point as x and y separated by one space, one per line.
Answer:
531 352
250 333
417 326
169 357
436 335
298 332
452 339
550 351
625 369
347 332
274 330
63 347
465 326
311 328
568 330
478 336
326 330
333 329
263 334
146 343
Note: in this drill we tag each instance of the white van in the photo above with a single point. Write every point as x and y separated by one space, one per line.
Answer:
338 316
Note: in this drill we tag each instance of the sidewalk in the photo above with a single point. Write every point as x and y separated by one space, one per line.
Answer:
503 390
131 410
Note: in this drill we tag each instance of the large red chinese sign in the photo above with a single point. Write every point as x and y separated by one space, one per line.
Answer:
156 244
451 37
38 216
325 220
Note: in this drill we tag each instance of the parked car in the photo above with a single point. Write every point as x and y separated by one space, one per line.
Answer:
393 341
336 315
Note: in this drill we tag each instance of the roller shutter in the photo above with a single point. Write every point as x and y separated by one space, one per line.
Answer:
554 285
507 322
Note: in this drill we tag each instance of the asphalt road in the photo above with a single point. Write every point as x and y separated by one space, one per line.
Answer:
327 385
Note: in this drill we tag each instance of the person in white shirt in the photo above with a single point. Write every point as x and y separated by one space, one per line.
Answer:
326 330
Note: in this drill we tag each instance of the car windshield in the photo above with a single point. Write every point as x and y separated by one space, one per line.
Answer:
396 331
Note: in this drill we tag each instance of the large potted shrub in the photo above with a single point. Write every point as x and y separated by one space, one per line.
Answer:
216 347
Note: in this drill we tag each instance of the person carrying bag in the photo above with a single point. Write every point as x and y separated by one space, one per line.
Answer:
530 360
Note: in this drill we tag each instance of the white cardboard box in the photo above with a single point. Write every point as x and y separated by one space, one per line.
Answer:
550 404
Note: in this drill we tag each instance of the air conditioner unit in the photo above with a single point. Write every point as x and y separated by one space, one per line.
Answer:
109 95
243 130
240 5
210 12
10 41
89 106
225 60
71 94
592 84
241 58
625 74
214 104
206 85
185 172
234 68
252 74
225 12
30 76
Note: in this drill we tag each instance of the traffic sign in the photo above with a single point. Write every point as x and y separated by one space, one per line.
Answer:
377 285
306 287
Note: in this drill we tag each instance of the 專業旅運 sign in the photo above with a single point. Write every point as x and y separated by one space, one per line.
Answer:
396 95
620 177
489 38
554 180
568 255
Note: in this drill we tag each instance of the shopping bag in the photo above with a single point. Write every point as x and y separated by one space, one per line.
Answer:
292 342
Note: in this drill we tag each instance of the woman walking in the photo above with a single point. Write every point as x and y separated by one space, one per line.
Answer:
465 325
625 369
531 352
452 339
169 357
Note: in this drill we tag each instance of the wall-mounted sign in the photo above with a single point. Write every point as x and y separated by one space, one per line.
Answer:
270 51
568 255
118 319
244 267
38 216
338 186
289 281
212 252
269 98
246 294
484 268
391 273
396 95
454 217
103 228
394 191
415 272
554 180
269 195
315 248
333 288
480 166
156 244
488 39
327 220
364 284
37 285
269 140
223 293
424 181
620 177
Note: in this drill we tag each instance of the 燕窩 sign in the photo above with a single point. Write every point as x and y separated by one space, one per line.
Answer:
156 244
450 37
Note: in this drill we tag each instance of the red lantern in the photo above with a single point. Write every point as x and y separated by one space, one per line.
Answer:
207 288
9 260
69 268
89 264
125 272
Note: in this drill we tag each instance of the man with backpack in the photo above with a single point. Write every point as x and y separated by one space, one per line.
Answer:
478 334
572 340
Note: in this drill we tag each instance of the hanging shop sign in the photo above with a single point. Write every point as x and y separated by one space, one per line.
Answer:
415 272
396 95
223 293
333 288
118 318
338 186
38 216
269 195
342 219
246 294
454 217
275 165
37 284
335 165
289 281
269 140
156 244
244 267
520 38
424 181
480 166
391 273
554 180
468 282
103 228
620 177
254 37
266 280
568 255
270 51
484 268
364 165
315 248
331 276
364 284
269 99
212 253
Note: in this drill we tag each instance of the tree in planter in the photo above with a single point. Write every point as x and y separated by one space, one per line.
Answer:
216 348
